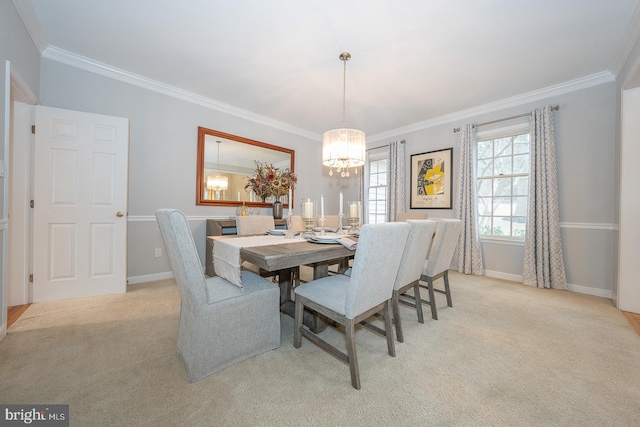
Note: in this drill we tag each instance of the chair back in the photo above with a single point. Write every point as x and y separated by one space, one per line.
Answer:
403 216
183 255
443 246
254 224
295 223
375 266
415 251
332 221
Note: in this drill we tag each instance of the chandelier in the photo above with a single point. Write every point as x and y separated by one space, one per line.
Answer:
343 148
217 182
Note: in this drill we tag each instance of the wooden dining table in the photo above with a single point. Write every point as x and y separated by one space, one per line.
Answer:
284 257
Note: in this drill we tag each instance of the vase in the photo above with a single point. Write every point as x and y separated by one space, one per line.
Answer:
277 209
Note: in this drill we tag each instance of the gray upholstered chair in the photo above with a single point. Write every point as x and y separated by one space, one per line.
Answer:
254 224
439 259
348 300
220 323
413 257
403 216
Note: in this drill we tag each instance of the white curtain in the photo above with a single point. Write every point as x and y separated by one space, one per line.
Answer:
543 261
396 182
467 258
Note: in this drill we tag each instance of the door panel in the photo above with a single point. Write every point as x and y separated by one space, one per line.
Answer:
80 179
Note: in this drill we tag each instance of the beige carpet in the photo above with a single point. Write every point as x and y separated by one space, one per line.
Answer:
504 355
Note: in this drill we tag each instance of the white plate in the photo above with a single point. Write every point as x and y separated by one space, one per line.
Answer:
277 232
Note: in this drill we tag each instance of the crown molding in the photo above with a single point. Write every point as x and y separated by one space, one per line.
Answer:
31 22
81 62
629 39
515 101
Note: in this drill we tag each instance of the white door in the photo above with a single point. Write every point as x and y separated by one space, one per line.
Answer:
80 204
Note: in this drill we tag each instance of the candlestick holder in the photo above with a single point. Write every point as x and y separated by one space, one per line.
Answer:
308 214
354 222
320 224
340 231
308 225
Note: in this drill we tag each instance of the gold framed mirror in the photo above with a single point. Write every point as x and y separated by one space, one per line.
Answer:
224 163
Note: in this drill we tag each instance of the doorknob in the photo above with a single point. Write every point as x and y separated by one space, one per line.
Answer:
119 214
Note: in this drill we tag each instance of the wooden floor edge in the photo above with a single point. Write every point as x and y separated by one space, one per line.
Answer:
14 313
634 320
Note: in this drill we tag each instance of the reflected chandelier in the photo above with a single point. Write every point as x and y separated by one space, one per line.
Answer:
218 182
343 148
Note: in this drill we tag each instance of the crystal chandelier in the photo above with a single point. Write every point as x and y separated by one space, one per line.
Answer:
343 148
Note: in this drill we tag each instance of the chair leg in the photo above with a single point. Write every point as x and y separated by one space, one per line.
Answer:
396 316
391 346
432 299
447 290
297 328
418 299
349 329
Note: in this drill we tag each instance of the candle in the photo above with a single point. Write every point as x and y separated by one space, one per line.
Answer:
341 203
308 209
321 206
353 210
290 201
238 196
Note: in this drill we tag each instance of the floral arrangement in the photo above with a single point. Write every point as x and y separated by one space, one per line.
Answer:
270 181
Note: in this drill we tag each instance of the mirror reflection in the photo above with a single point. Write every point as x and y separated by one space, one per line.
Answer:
225 161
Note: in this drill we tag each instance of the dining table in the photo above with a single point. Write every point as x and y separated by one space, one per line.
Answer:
283 257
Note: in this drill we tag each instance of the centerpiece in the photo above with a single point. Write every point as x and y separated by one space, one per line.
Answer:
270 181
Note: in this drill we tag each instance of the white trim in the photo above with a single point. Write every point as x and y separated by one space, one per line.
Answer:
537 95
20 90
3 224
3 331
134 280
77 61
510 241
31 22
503 131
152 218
587 290
589 226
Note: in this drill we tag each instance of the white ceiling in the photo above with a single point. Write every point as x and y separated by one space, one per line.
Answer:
412 60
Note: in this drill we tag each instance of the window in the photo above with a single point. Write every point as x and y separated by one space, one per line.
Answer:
377 200
503 185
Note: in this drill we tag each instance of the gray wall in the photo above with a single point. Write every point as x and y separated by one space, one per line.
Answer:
163 143
586 154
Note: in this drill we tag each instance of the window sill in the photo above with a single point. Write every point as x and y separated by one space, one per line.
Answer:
513 241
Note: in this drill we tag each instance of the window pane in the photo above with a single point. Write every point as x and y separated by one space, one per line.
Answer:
382 165
381 193
518 227
484 187
485 149
484 225
520 185
521 144
502 187
503 147
521 164
520 206
485 167
502 206
503 166
501 226
484 206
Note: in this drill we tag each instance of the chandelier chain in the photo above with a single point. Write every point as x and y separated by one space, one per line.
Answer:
344 94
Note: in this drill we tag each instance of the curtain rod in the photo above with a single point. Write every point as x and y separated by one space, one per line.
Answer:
554 108
382 146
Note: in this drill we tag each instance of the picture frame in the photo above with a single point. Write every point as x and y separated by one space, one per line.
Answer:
431 179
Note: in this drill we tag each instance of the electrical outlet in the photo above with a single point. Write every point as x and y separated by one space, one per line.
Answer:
158 252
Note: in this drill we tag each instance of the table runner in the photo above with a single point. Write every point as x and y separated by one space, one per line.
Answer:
226 253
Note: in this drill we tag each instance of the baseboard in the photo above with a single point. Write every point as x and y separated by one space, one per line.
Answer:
503 276
149 278
598 292
3 332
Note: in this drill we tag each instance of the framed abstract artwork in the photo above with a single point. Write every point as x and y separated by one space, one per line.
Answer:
431 179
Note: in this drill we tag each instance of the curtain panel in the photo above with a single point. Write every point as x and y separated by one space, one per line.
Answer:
543 258
467 258
396 180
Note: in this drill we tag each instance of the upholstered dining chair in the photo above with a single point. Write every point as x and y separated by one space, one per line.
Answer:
220 323
347 300
439 259
403 216
254 224
413 257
